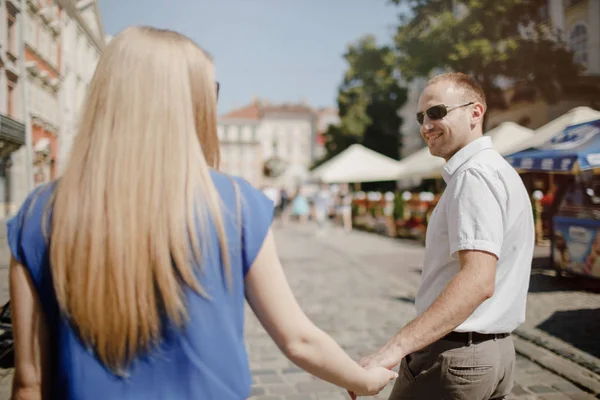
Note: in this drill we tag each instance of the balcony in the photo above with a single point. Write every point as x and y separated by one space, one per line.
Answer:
12 135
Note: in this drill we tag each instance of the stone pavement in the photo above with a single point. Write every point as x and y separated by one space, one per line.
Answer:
359 288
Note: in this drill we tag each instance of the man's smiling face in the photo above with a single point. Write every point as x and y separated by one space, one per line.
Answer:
446 136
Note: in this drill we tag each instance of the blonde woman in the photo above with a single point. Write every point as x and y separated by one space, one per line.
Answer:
129 274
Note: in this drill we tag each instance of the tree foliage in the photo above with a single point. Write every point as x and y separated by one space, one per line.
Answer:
369 98
494 41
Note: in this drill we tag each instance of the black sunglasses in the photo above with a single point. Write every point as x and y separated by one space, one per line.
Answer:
438 112
218 87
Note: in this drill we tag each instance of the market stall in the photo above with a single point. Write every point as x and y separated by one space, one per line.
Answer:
545 133
573 154
357 164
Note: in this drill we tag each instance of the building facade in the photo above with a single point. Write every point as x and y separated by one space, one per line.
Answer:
578 24
269 144
48 53
82 42
241 153
326 117
42 60
13 187
287 135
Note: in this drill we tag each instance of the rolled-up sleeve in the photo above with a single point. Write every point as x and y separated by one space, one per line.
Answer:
475 213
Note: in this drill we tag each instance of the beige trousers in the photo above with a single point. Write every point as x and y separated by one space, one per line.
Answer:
448 370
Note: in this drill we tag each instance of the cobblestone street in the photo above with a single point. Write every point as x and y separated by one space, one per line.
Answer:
360 287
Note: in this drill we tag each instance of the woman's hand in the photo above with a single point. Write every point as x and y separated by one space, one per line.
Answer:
377 379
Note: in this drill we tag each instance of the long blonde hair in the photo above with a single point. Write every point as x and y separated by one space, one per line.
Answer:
134 192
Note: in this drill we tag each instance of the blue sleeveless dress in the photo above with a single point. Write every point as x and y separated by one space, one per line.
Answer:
205 360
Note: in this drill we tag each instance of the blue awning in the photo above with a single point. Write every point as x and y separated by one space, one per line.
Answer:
577 145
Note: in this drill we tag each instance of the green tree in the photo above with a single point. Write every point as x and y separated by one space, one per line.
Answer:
368 101
488 39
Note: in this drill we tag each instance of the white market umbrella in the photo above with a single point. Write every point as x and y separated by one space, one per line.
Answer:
357 164
543 134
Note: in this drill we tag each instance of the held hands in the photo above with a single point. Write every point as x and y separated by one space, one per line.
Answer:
380 362
378 378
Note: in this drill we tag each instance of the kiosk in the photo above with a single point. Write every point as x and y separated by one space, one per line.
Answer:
574 154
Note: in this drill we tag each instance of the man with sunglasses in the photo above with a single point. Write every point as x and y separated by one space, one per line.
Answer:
478 253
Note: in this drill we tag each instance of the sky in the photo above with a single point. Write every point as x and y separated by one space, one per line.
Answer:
279 50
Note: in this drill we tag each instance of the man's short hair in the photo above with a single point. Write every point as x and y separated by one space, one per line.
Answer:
462 81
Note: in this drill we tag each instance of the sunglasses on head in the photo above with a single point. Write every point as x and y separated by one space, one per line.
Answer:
438 112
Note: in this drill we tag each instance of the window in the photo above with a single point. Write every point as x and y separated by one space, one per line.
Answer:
29 93
578 44
30 28
247 133
33 97
53 51
50 107
41 100
224 136
56 109
10 99
11 34
42 47
233 134
45 103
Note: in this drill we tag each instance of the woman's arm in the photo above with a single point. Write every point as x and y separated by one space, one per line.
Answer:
310 348
30 336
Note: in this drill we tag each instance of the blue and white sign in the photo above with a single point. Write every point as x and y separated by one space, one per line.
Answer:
577 144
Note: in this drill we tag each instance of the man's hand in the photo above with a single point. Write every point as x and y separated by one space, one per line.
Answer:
385 357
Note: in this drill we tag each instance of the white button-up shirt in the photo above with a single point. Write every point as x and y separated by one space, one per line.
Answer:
485 207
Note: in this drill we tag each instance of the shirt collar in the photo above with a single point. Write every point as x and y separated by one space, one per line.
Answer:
464 154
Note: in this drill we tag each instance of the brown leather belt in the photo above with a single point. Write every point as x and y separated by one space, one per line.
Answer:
473 337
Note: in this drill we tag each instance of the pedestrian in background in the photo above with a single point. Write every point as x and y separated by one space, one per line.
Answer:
323 202
300 206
